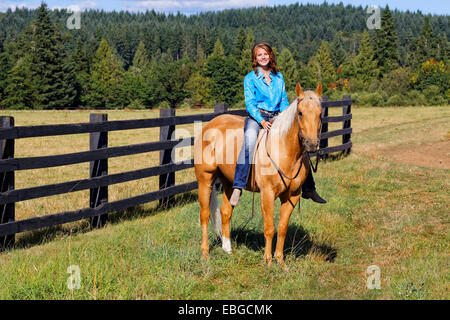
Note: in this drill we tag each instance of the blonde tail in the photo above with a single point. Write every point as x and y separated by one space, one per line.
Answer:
215 216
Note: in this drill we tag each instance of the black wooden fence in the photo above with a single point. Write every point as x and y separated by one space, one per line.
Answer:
98 156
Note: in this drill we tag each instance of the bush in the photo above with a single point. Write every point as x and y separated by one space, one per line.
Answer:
164 105
416 98
433 96
335 95
377 98
356 85
396 81
374 85
398 100
356 97
241 104
290 94
136 105
186 104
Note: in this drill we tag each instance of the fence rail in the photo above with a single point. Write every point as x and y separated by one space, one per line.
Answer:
98 156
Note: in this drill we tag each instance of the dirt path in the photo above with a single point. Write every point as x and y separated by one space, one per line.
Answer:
432 155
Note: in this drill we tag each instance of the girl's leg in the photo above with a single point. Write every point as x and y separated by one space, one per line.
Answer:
309 189
251 130
309 184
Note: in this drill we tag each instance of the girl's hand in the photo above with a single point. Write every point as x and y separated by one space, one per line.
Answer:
266 125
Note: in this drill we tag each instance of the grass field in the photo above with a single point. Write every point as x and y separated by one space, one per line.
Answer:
388 205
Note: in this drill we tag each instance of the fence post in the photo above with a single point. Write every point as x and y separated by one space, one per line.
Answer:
165 157
7 183
98 168
220 108
324 142
347 123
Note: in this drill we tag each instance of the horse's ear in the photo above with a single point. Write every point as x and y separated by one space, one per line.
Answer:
298 90
318 91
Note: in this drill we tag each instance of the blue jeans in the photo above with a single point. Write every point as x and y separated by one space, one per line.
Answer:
245 158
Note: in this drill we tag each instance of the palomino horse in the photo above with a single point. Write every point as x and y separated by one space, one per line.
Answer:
280 167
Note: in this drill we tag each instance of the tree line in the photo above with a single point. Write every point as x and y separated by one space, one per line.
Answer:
144 60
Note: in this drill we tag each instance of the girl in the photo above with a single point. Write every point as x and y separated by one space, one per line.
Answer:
265 97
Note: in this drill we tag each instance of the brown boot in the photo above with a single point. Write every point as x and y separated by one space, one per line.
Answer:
314 196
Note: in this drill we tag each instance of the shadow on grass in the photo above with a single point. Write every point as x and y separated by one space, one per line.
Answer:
298 242
45 235
333 156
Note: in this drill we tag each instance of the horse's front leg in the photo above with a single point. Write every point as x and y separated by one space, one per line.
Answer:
267 202
226 210
287 206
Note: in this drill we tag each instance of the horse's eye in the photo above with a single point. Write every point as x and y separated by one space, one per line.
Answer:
300 113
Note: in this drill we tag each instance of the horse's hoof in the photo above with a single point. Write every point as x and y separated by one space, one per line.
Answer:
226 245
284 266
268 260
205 255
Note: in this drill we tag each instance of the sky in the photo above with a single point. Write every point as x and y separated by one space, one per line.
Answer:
194 6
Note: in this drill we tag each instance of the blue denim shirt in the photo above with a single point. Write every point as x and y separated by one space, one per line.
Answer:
259 95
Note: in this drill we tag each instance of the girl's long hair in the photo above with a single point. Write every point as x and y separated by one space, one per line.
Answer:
272 62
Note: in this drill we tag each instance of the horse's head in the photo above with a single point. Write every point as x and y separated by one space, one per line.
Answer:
309 110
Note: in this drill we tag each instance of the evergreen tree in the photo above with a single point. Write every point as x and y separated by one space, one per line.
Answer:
218 51
288 67
224 75
20 92
386 52
105 81
51 70
80 62
199 88
140 59
322 66
337 52
140 84
364 67
4 67
425 45
187 48
173 77
239 44
443 48
201 59
245 62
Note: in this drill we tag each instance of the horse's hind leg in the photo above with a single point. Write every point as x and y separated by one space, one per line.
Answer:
205 182
226 210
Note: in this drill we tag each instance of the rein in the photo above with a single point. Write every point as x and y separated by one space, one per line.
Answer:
280 172
317 164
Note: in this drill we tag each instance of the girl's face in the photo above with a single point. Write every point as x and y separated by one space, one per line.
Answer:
262 57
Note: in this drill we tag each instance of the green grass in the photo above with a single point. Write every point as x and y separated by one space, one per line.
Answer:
380 212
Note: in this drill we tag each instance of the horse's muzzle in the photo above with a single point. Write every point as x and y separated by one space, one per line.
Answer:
311 145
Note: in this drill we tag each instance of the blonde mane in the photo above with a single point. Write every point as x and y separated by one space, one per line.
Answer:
283 122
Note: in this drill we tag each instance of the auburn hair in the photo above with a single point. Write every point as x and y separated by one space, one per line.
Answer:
272 63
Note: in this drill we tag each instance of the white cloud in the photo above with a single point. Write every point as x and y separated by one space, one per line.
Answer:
82 5
88 4
8 5
191 5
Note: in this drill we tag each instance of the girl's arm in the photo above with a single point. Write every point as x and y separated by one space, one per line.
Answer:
250 100
284 99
